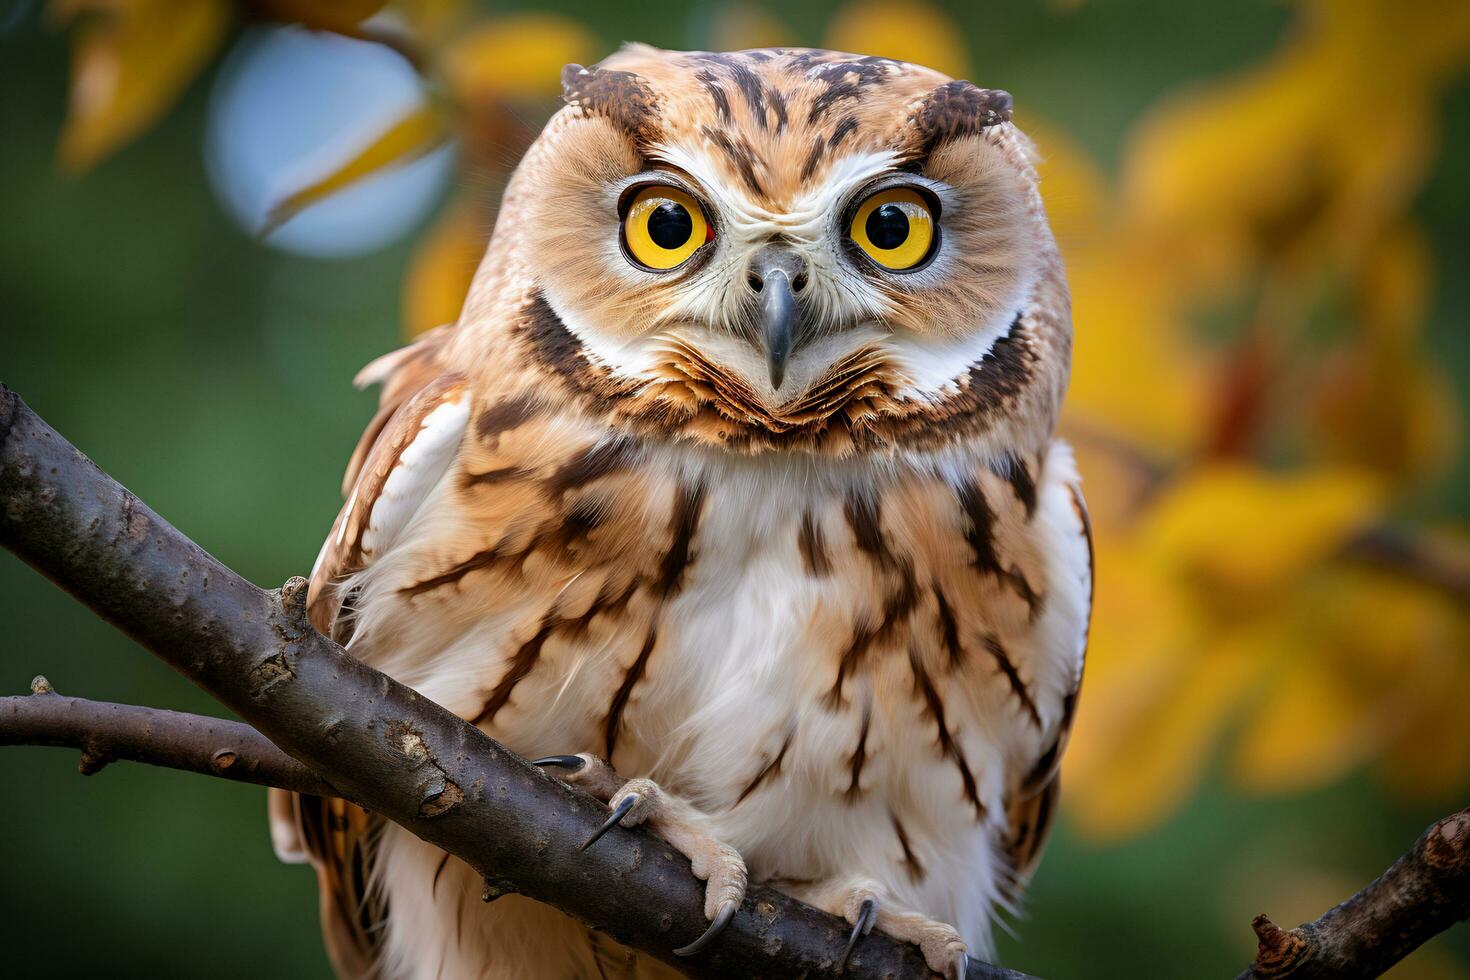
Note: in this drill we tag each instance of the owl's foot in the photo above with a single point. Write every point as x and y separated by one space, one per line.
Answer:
864 905
635 801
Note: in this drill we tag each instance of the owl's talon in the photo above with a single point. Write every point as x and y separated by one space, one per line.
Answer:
619 812
867 915
722 919
572 762
960 968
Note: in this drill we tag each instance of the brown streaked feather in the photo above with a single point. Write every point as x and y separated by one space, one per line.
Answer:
948 747
1030 821
343 553
770 769
1031 806
911 861
339 836
402 373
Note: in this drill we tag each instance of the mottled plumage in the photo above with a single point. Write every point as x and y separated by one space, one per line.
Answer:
839 620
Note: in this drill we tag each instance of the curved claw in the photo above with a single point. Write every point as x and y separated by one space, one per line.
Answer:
960 968
629 801
573 762
722 919
867 915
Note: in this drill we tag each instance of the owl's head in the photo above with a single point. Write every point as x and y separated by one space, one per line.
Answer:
793 247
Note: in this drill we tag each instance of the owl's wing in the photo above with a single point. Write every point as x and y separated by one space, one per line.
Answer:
408 446
1031 806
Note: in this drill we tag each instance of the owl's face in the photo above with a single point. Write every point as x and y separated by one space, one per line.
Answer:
784 232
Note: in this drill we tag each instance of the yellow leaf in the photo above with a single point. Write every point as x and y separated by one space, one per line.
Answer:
1379 401
516 56
1129 762
1430 758
1235 527
443 266
1159 750
1371 656
908 30
1254 168
1310 730
131 60
1134 372
407 139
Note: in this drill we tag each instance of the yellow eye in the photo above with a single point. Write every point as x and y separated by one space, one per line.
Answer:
895 228
663 227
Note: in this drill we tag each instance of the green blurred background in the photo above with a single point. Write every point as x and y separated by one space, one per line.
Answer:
209 373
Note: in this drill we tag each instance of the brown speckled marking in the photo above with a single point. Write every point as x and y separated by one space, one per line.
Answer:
958 109
613 724
813 544
1018 686
843 81
771 768
490 478
859 756
862 511
683 525
621 97
592 464
844 129
813 157
863 635
910 860
1024 486
981 538
949 629
517 670
505 416
717 95
948 747
740 154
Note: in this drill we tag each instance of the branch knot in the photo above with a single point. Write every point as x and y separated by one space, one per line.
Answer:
1279 952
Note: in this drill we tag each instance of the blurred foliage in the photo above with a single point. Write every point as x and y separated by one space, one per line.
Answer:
1257 211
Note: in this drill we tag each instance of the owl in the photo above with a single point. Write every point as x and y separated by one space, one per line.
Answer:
733 495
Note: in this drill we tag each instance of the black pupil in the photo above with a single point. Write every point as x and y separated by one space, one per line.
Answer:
888 226
670 225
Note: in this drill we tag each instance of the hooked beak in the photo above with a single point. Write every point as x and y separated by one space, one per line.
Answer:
778 274
778 322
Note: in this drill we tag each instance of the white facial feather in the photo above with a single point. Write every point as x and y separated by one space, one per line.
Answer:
715 295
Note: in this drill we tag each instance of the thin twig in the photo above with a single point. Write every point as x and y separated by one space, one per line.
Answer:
1424 893
1440 564
106 733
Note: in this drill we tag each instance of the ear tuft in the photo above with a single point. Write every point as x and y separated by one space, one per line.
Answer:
621 97
958 109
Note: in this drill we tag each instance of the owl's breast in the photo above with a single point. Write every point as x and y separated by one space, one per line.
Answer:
868 661
842 661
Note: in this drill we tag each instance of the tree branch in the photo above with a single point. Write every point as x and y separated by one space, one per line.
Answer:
1425 892
380 743
108 733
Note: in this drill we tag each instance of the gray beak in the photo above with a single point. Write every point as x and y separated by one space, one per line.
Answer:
778 321
777 274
